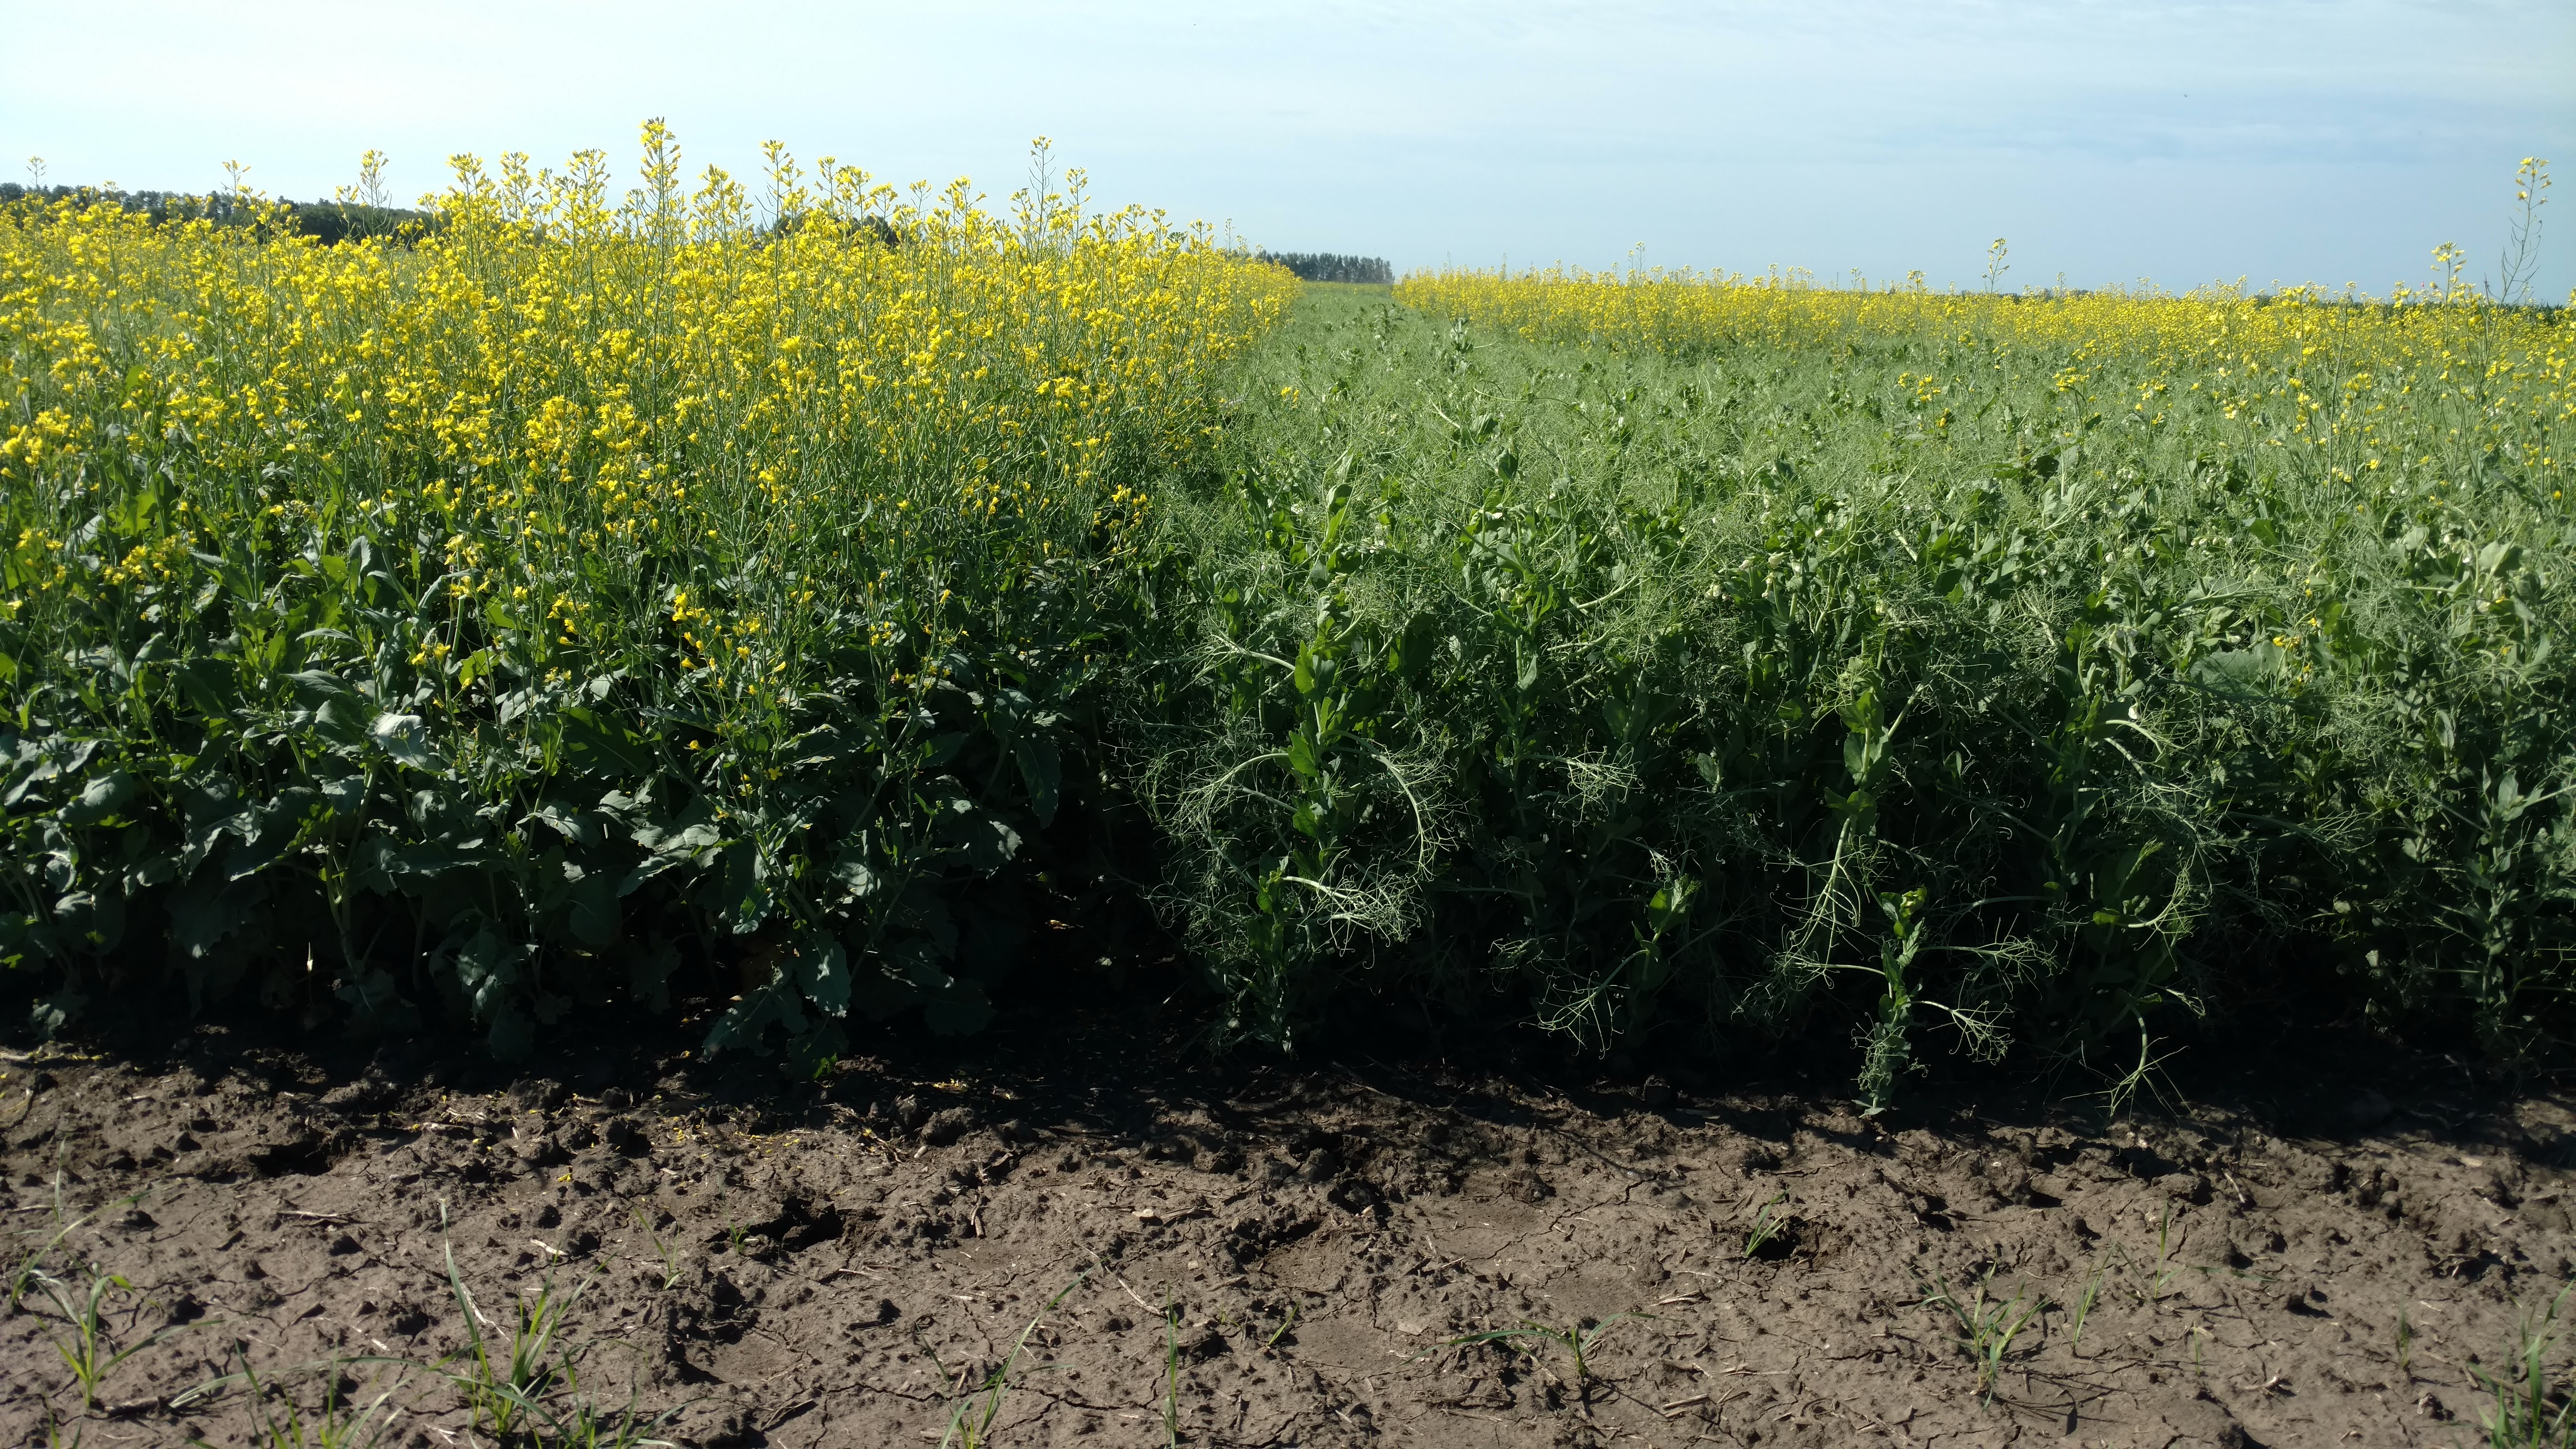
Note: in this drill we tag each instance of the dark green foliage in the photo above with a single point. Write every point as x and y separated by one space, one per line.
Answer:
1723 696
261 780
1331 266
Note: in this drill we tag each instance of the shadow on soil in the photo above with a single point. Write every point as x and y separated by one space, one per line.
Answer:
1077 1227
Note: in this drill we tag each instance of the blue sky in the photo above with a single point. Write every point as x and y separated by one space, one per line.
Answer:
2183 142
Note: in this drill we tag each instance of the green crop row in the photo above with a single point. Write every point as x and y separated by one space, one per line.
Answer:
1879 681
574 601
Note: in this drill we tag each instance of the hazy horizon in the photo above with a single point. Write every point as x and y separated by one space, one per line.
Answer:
2183 143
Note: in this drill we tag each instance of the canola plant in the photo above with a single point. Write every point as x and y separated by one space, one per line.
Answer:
497 610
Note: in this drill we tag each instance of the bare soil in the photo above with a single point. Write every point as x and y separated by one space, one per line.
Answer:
1272 1255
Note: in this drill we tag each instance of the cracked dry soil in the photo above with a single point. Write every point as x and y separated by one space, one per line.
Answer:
826 1265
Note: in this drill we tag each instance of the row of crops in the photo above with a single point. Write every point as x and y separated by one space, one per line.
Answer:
2033 677
583 600
577 595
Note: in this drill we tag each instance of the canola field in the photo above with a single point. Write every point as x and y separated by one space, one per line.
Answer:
488 620
795 604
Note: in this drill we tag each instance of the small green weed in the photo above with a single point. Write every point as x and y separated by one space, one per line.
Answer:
2158 1274
2161 1283
672 1273
278 1422
2083 1307
1987 1326
1171 1374
1286 1323
967 1427
2533 1407
587 1426
30 1262
90 1351
1578 1340
1766 1227
504 1381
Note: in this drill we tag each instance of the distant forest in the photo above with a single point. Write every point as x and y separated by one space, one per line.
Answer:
1331 266
331 221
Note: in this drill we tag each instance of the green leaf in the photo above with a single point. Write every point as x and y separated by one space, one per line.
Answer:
210 804
375 1005
961 1009
852 874
604 747
648 977
402 737
342 721
2236 674
207 910
512 1038
346 795
314 688
576 826
812 1053
739 890
51 1014
741 1024
99 799
694 830
594 910
210 686
647 868
40 761
486 966
982 837
1041 772
822 971
279 824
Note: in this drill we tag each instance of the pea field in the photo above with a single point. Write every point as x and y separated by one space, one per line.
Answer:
796 595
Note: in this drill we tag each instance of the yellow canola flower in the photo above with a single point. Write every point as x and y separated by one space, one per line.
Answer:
541 380
2301 365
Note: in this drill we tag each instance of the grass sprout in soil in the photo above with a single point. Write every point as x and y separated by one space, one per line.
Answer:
506 1372
345 1418
1988 1326
1578 1340
978 1405
88 1341
2533 1402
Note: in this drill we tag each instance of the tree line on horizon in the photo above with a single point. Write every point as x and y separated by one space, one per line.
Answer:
328 221
333 221
1330 266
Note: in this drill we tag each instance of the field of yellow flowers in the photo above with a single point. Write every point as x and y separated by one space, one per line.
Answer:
575 598
497 613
